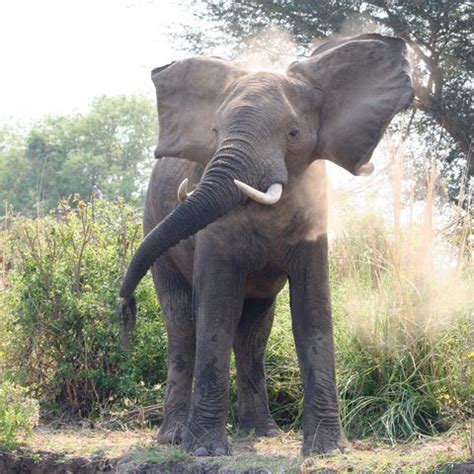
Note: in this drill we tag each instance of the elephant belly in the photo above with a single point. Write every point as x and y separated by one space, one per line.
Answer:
265 283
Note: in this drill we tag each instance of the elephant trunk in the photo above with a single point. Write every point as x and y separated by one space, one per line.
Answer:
215 196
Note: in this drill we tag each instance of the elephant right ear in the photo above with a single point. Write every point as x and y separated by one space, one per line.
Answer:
188 93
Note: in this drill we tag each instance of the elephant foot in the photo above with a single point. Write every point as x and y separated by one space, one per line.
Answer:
325 441
267 427
205 444
172 430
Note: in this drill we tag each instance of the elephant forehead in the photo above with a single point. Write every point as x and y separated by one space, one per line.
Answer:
259 87
272 93
262 79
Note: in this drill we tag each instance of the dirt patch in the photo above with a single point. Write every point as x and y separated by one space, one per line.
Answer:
83 450
52 463
25 462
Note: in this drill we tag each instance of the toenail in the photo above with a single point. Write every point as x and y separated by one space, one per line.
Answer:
202 451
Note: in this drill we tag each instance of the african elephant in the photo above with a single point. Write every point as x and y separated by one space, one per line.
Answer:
221 252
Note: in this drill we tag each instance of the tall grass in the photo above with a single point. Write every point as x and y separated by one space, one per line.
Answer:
402 336
403 297
401 291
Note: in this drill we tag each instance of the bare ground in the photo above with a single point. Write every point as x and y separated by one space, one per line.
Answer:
84 450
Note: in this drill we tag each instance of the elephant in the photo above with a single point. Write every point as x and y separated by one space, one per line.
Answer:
234 211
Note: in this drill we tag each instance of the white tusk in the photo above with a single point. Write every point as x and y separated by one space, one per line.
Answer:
183 190
272 196
365 170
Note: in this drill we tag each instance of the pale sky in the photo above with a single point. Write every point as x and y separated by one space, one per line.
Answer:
56 55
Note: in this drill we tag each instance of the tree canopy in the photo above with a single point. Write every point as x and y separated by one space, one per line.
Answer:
105 152
438 32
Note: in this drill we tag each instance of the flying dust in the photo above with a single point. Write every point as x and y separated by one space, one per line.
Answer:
405 251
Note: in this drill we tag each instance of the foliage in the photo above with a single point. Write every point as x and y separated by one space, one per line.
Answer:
103 152
398 319
59 333
437 31
18 414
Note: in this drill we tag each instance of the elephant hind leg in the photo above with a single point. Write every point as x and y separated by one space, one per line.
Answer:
249 348
176 302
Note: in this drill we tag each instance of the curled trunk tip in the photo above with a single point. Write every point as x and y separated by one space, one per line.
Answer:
126 315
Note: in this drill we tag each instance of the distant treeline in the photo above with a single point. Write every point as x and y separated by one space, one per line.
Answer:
105 152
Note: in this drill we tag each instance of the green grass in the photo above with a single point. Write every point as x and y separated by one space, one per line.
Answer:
18 415
401 314
401 305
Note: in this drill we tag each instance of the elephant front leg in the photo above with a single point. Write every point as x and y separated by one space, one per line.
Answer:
218 306
249 348
313 332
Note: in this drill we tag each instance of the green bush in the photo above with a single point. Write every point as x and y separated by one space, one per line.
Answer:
60 334
18 415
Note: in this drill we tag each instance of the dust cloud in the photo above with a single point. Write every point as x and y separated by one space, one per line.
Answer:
404 250
272 49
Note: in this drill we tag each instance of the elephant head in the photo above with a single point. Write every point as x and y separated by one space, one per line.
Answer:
255 131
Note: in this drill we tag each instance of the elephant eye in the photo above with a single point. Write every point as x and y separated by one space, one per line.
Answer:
293 132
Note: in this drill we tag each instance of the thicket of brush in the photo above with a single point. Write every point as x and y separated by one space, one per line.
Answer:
400 302
59 333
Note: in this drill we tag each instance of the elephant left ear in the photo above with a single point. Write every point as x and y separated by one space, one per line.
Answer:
361 83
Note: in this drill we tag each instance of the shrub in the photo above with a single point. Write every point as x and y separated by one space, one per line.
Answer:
18 415
61 338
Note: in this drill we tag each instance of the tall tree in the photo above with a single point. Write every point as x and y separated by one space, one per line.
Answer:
438 32
106 151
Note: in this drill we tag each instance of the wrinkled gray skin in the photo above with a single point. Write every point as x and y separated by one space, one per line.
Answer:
219 259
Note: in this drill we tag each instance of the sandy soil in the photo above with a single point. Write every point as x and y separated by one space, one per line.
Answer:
86 450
